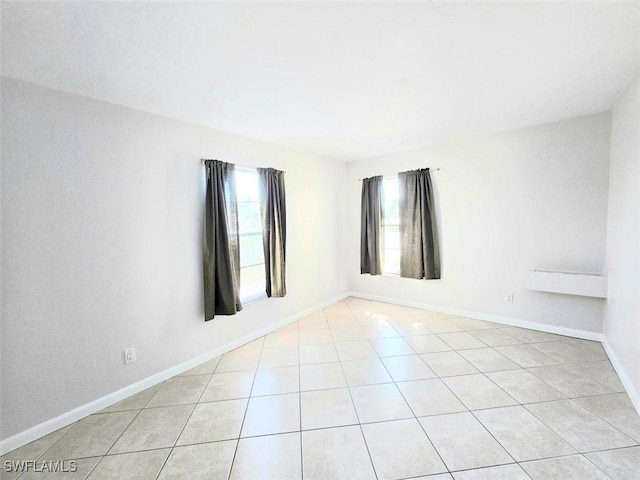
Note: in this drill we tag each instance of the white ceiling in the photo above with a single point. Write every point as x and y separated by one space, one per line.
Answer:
345 80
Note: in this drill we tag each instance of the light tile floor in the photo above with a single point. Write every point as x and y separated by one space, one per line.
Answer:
367 390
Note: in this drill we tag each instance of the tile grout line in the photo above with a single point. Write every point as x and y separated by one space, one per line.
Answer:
379 358
300 403
188 418
353 404
246 408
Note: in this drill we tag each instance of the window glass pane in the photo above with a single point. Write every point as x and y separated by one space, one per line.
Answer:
391 238
252 282
247 185
391 220
390 188
249 220
391 261
251 251
391 213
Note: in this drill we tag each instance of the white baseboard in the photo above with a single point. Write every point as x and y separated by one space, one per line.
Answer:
67 418
632 391
570 332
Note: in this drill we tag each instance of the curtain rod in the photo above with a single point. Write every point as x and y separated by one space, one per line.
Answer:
394 174
202 160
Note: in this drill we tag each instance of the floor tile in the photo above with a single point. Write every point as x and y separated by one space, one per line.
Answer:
323 353
153 428
407 367
321 375
620 464
524 387
502 472
495 337
522 434
575 467
214 421
365 372
379 331
272 456
339 308
281 339
83 468
179 391
441 325
567 352
355 350
228 386
134 402
488 360
430 397
447 364
526 356
340 321
532 336
442 476
391 347
90 437
273 381
131 466
461 340
427 344
601 372
235 361
278 357
400 449
204 461
315 337
463 442
327 408
273 414
472 324
616 409
565 380
580 428
377 403
348 334
478 392
30 451
206 368
410 328
313 322
337 454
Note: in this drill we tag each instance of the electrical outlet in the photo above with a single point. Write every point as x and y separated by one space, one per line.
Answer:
129 355
509 297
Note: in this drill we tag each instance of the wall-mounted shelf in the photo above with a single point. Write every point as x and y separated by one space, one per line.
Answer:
570 283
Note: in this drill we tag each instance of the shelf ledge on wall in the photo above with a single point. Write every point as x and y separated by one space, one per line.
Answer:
569 283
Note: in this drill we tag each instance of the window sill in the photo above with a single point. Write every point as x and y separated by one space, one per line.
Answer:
253 299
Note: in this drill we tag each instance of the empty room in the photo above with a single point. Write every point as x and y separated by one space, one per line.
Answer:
320 240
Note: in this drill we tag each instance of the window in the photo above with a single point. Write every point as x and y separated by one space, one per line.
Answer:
391 226
252 269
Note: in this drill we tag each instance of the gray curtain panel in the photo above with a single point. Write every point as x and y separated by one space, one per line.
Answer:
419 251
274 229
371 226
221 253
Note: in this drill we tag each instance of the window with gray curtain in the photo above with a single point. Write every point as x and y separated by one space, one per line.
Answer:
274 229
221 258
419 250
371 226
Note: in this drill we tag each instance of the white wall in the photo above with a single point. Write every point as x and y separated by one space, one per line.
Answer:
622 309
531 198
101 246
